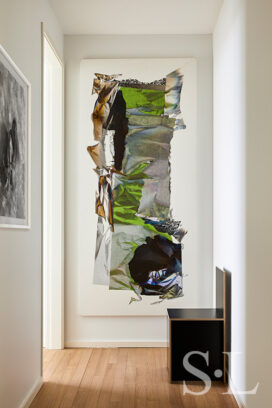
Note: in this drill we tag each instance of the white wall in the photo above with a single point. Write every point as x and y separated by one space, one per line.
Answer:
259 200
242 184
20 251
80 329
229 166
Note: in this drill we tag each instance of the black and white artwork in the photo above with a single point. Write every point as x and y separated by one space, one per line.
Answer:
14 145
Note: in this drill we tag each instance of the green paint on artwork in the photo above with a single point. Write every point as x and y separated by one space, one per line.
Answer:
134 245
127 196
138 173
120 280
148 101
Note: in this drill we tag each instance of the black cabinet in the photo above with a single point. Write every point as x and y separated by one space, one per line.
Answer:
195 342
199 338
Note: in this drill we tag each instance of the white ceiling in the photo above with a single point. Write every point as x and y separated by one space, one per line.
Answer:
137 17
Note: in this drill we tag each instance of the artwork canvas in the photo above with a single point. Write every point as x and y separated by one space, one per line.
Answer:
14 145
133 116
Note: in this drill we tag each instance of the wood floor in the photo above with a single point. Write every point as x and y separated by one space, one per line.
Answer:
118 377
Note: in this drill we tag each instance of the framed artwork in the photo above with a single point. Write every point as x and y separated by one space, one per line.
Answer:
134 117
14 145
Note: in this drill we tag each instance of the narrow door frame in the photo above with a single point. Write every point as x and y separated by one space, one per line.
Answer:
55 305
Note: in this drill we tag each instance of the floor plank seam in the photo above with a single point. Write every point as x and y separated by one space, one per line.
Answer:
82 377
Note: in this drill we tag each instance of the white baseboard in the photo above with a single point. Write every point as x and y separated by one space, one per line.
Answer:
32 393
111 344
235 394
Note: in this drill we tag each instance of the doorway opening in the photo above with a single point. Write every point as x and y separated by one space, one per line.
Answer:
53 195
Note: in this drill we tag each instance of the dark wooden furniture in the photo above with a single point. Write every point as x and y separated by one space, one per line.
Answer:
201 330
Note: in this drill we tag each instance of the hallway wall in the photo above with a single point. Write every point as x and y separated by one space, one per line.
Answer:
229 167
20 250
87 330
242 186
259 201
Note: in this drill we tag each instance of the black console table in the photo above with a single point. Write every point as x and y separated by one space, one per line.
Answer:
201 331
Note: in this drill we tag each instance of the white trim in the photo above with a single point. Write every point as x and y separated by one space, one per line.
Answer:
114 343
27 225
32 393
55 310
235 394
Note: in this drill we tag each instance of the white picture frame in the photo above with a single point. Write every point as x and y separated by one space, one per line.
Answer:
15 173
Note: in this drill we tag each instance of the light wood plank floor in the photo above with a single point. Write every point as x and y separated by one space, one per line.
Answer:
118 378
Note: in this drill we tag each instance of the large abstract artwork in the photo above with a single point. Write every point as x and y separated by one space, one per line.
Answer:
14 145
133 123
138 244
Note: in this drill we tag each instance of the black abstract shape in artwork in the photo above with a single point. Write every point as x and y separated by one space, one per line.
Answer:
118 122
154 262
9 155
